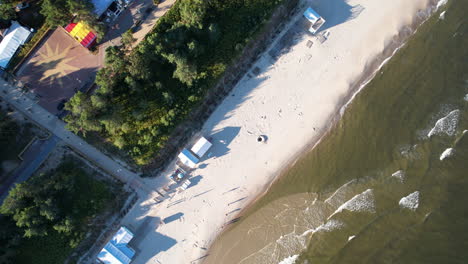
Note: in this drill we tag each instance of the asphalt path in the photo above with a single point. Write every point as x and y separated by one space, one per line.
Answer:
38 154
24 104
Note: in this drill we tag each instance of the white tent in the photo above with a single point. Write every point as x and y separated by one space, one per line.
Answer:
201 147
187 158
15 36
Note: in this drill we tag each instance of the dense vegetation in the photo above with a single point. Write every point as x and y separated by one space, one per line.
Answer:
51 212
13 138
145 93
9 129
60 12
6 10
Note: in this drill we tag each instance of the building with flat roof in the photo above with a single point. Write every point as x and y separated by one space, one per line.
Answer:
315 19
117 251
187 158
14 37
201 147
100 6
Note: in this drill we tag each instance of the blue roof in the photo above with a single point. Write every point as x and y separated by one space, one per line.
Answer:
190 156
116 251
311 15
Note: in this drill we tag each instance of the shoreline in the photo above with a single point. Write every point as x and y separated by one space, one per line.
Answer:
237 113
356 87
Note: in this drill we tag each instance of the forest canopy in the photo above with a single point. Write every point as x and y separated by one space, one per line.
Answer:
145 93
60 201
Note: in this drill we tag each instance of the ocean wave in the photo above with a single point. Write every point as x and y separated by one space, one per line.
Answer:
330 226
447 153
400 175
411 201
447 124
289 260
340 194
466 97
441 3
442 15
363 202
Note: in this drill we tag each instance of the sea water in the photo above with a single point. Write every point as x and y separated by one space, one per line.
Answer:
389 183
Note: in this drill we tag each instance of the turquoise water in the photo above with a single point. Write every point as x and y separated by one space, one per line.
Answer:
377 189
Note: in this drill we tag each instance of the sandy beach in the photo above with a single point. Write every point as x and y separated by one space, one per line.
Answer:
290 95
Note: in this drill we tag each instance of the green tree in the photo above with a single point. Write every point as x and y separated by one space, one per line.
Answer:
80 8
6 11
55 202
128 39
185 71
192 12
56 12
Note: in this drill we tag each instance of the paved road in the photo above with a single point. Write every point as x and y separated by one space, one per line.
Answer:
30 164
136 12
43 118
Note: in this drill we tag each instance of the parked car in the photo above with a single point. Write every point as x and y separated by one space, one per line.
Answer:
21 6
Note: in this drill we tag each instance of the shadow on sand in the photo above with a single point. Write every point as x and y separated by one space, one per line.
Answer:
173 218
337 12
146 249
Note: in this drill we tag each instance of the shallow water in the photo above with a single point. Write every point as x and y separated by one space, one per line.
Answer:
380 187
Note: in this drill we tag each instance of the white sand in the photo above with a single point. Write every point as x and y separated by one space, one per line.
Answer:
290 101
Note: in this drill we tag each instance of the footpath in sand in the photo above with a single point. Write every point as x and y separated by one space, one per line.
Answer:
290 95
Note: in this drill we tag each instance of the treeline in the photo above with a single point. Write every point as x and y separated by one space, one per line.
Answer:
145 93
59 204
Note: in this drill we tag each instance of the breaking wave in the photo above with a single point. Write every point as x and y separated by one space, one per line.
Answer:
447 153
411 201
447 124
400 175
363 202
289 260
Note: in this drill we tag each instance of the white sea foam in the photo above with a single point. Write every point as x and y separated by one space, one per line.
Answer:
351 237
447 124
363 202
466 97
442 15
400 175
341 192
329 226
447 153
289 260
411 201
441 3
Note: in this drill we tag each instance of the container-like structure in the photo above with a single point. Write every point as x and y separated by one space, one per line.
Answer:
188 159
315 19
201 147
15 36
116 251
